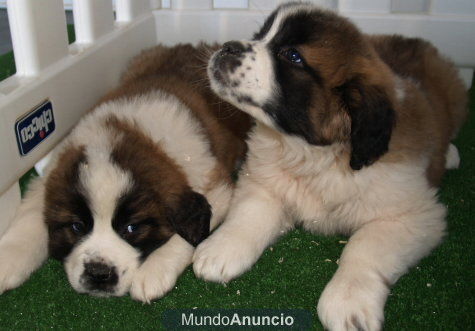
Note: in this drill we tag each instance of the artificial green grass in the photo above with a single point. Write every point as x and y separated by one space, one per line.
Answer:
438 294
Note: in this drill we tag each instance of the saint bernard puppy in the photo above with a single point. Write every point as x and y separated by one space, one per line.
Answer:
135 185
352 137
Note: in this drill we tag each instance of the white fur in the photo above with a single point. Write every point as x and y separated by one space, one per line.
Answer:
258 81
255 77
452 158
24 247
169 123
158 274
389 209
104 183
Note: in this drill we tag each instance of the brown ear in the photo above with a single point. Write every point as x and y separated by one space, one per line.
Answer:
191 219
372 119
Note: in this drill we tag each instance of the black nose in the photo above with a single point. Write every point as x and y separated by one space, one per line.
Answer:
233 48
100 273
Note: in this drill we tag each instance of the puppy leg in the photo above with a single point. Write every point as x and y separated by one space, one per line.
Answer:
254 221
24 247
374 258
159 272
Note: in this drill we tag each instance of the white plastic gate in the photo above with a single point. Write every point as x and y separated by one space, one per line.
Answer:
73 77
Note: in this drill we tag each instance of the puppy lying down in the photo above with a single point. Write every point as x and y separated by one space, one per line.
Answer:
136 184
352 136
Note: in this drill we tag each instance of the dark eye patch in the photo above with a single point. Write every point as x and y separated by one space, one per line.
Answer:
298 82
68 224
66 204
138 210
297 29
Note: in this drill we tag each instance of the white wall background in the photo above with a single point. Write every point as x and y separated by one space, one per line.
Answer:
445 7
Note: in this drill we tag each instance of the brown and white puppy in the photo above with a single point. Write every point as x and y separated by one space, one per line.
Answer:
352 135
136 184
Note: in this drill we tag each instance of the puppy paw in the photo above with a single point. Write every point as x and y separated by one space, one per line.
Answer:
14 270
452 157
222 258
152 281
352 305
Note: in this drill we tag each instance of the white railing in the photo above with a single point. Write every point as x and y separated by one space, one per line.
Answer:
71 77
74 77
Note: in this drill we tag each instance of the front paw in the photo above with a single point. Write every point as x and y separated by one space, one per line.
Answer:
14 269
222 258
152 281
352 304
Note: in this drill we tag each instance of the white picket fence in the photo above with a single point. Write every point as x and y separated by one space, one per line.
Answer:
73 77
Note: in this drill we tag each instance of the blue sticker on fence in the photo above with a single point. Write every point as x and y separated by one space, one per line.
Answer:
34 127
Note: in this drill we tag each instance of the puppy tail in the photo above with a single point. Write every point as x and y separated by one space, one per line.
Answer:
24 247
452 158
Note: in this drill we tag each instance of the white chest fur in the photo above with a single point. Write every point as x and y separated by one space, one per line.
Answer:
319 189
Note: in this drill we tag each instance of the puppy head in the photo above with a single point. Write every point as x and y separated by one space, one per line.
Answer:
108 205
310 73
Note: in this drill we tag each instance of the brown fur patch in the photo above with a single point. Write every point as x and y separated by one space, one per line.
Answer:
181 71
361 70
158 185
435 106
149 165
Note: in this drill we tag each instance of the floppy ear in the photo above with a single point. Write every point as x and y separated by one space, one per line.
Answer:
191 219
372 120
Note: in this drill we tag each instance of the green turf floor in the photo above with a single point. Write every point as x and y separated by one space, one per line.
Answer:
438 294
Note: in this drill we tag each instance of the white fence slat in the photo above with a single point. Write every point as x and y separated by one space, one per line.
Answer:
366 6
128 10
92 19
39 36
192 4
73 85
9 202
462 7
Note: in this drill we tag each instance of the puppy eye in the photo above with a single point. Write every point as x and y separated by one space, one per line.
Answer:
291 55
131 229
77 227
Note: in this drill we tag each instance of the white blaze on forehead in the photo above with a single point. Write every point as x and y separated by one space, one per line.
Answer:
104 183
283 13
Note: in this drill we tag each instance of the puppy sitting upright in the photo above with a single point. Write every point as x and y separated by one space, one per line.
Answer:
135 185
351 137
